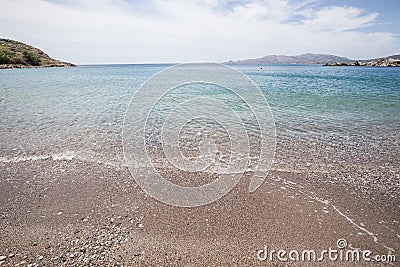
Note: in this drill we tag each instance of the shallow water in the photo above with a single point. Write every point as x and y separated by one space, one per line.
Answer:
328 119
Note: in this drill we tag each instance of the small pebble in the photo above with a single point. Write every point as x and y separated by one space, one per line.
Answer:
40 258
60 213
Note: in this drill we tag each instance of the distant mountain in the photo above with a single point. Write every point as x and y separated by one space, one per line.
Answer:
396 57
14 54
299 59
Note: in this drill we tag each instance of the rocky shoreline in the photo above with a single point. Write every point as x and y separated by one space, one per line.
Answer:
21 66
382 62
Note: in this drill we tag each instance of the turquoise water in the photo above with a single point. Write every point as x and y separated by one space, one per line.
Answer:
347 117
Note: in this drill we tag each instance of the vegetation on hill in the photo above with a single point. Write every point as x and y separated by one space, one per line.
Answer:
15 54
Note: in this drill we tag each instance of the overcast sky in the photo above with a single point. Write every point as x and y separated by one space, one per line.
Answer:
172 31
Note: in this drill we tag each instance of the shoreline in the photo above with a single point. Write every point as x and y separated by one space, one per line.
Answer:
73 212
20 66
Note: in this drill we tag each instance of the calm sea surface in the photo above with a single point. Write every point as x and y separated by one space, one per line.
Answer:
327 118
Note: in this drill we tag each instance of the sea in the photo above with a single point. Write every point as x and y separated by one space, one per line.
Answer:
328 120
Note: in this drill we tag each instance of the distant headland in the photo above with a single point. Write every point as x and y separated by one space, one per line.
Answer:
324 59
14 54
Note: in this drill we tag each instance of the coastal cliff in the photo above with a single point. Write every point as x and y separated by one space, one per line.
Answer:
14 54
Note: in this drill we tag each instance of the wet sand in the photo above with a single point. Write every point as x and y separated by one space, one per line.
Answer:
74 213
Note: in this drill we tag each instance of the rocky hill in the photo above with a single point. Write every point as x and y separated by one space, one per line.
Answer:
390 61
14 54
299 59
396 57
384 62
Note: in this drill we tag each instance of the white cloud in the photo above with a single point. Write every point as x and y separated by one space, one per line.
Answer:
336 18
117 31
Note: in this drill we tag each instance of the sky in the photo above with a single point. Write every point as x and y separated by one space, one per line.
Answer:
175 31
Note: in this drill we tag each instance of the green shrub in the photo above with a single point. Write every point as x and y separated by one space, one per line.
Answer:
31 58
5 56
